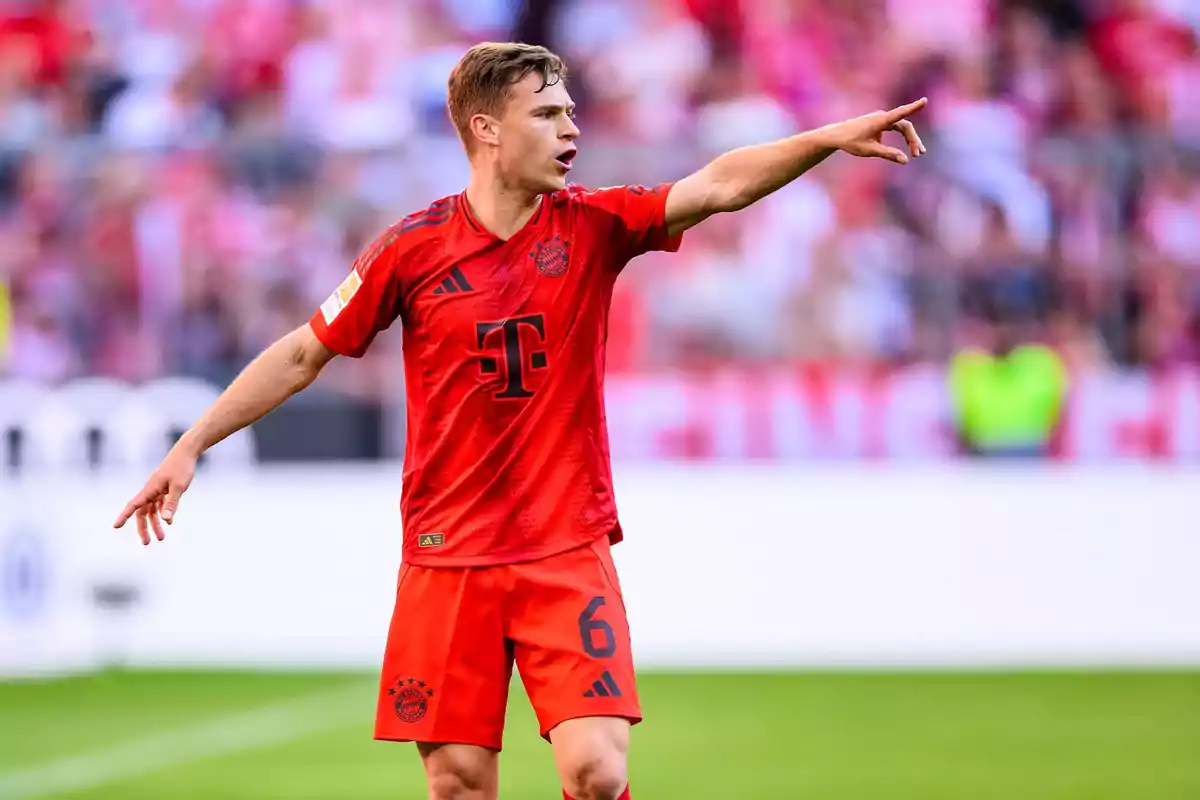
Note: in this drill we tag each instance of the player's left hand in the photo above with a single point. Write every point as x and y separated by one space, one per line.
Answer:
863 136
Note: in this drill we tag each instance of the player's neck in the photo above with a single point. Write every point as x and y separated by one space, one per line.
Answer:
502 210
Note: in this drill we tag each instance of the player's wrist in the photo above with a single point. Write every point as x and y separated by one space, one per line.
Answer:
190 445
832 137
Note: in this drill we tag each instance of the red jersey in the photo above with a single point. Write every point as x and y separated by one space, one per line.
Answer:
507 457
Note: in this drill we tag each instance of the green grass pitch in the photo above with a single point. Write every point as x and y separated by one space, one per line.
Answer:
828 735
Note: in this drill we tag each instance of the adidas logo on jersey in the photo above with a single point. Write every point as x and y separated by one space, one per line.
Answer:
605 687
454 283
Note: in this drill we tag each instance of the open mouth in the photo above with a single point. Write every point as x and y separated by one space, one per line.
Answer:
564 158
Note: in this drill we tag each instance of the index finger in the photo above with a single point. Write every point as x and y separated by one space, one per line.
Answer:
897 114
143 497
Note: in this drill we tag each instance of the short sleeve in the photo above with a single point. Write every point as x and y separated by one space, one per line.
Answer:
367 302
640 213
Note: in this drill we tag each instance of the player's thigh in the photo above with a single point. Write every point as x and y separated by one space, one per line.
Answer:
571 638
446 666
460 770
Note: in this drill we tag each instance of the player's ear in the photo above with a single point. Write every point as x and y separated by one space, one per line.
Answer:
485 128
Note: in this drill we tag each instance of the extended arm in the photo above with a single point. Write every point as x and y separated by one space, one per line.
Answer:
744 176
283 369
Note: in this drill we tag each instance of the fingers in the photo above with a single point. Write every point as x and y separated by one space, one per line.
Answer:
147 494
171 503
147 519
889 153
145 508
155 522
909 132
897 114
867 137
142 526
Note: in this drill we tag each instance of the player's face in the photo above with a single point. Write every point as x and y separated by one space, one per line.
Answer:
537 135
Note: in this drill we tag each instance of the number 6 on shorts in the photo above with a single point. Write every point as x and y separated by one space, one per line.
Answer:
588 626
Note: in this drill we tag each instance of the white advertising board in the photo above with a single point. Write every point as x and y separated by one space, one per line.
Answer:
783 415
767 565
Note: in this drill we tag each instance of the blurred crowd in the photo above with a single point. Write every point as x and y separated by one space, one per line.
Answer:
182 181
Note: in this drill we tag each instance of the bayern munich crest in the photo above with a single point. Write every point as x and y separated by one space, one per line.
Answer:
551 257
410 698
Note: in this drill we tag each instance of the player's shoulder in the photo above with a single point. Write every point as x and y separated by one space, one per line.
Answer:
424 224
575 193
611 199
411 232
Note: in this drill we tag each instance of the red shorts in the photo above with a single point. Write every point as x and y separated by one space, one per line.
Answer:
457 631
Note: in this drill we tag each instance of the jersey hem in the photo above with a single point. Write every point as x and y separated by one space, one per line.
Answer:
494 560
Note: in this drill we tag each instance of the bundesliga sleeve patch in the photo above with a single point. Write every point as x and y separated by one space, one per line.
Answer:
341 297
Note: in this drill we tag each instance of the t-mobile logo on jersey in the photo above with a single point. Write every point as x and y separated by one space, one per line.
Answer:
507 335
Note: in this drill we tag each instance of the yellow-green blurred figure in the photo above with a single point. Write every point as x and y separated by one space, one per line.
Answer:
6 323
1008 397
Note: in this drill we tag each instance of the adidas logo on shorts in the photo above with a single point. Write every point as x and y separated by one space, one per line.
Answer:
605 687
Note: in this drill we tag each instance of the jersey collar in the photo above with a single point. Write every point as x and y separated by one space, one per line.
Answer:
478 229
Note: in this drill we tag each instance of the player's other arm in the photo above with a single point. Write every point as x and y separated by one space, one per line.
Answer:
741 177
366 303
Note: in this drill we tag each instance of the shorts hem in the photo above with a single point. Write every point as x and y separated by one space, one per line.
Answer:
490 745
632 719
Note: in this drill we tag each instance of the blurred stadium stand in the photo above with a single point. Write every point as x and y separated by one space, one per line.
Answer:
181 181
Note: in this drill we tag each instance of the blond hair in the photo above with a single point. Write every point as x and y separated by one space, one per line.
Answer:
481 81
